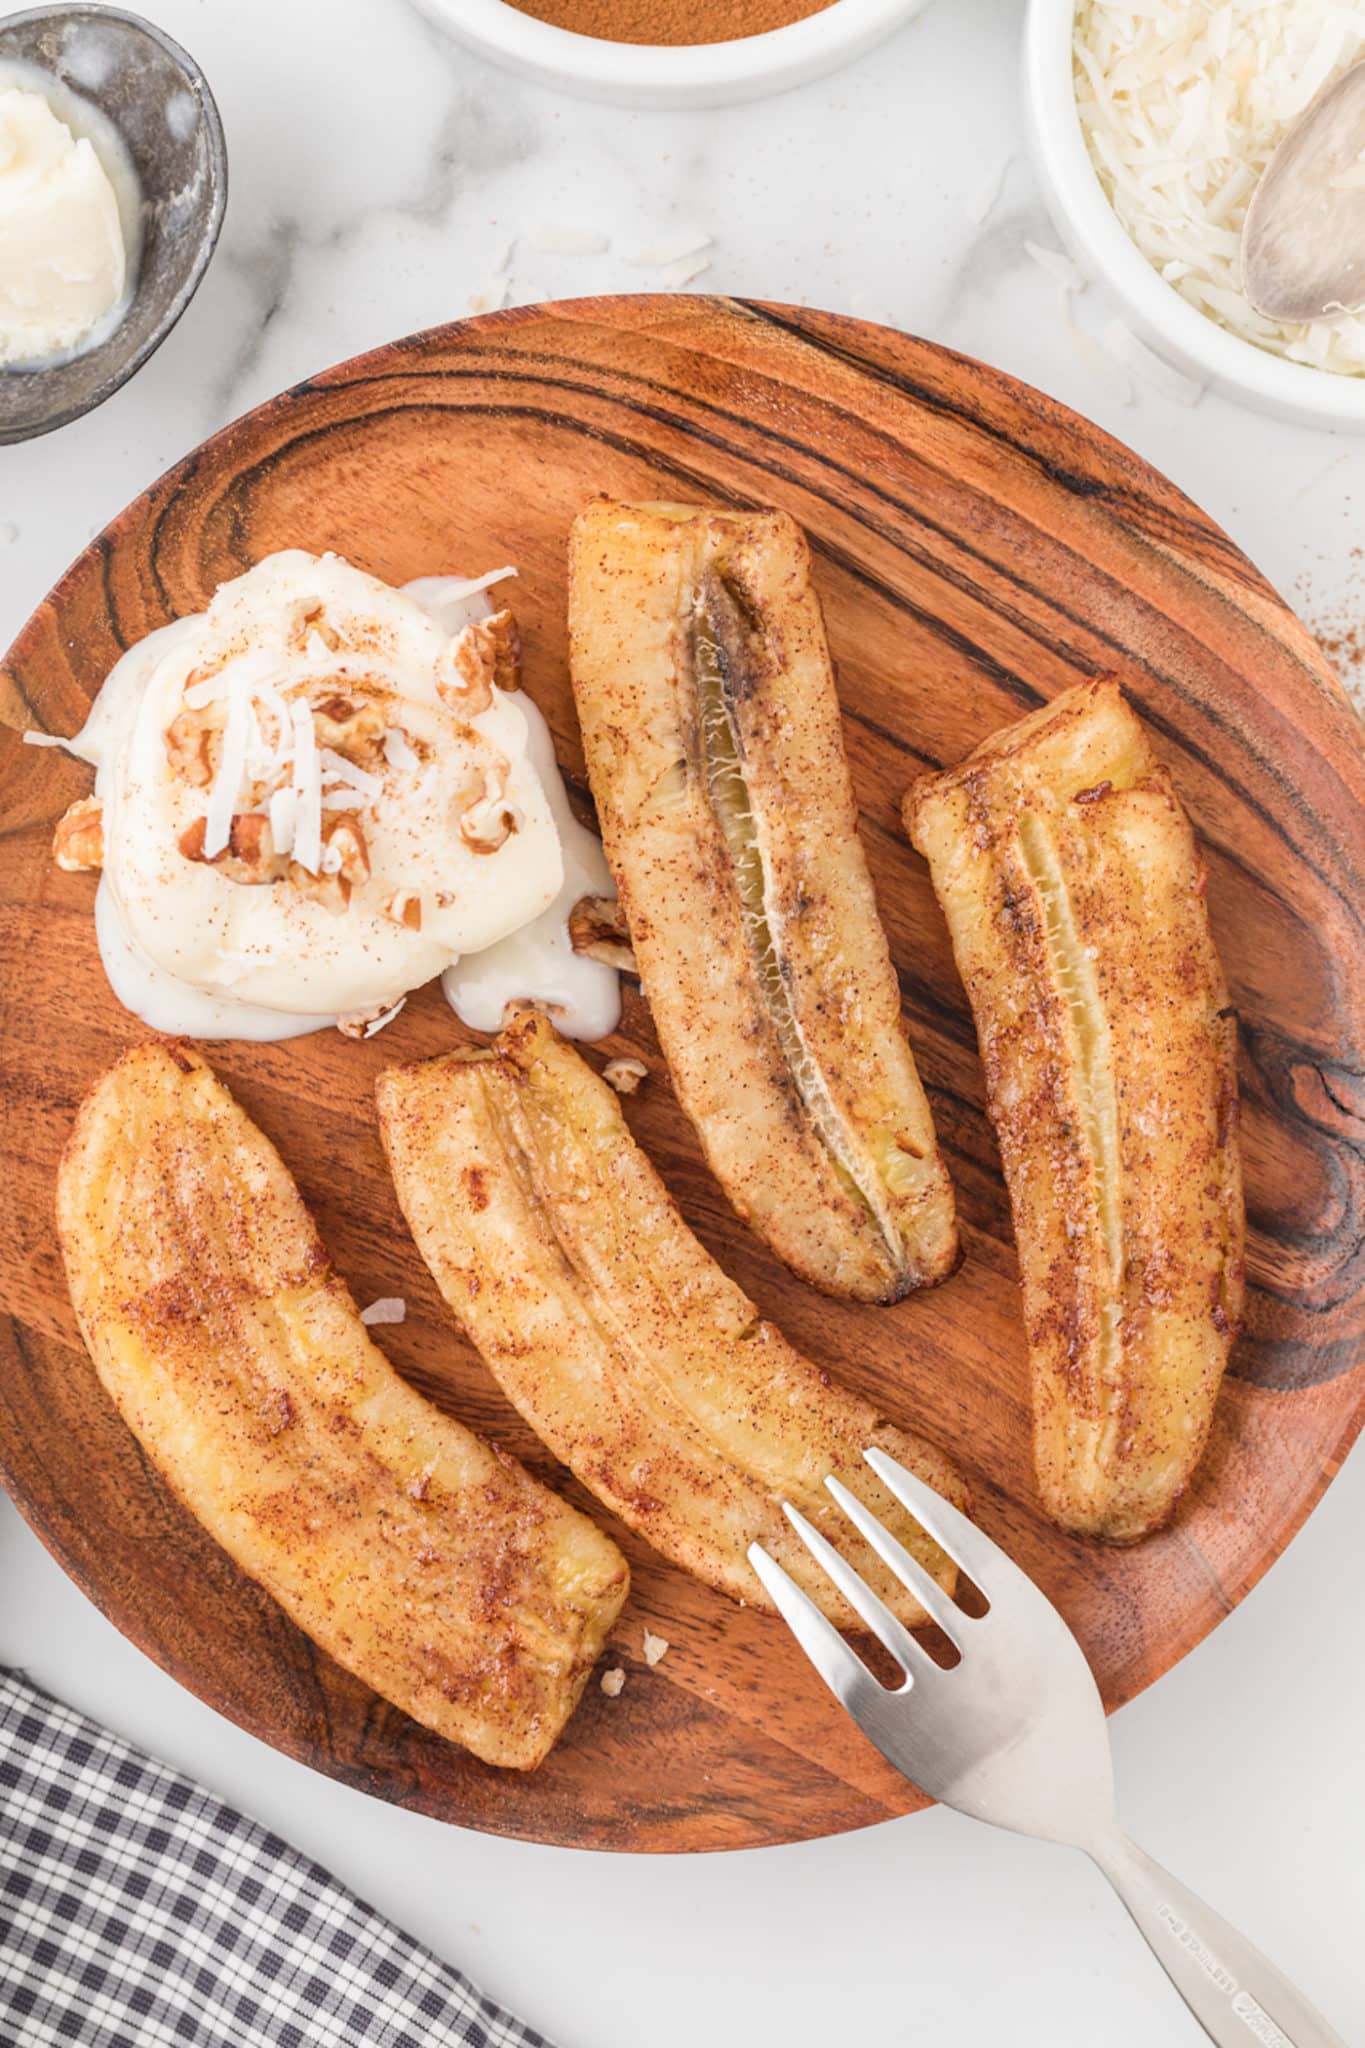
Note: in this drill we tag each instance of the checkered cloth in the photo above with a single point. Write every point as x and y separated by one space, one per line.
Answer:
137 1911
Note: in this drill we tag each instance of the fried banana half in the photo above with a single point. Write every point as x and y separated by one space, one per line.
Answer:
643 1367
424 1561
711 727
1074 893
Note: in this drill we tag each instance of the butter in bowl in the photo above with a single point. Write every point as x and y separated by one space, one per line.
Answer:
113 185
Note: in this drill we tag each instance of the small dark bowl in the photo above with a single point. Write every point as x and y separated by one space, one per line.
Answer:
181 166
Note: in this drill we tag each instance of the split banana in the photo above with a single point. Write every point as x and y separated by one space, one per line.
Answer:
711 727
1074 894
416 1555
643 1367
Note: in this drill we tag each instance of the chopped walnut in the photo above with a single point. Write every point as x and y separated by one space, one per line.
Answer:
78 842
405 908
490 820
310 619
597 929
487 651
345 865
249 855
356 731
327 889
625 1075
346 839
190 742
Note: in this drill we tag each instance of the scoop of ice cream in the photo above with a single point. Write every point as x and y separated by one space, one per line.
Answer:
313 798
63 265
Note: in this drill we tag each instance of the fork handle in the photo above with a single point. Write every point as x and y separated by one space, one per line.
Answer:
1238 1997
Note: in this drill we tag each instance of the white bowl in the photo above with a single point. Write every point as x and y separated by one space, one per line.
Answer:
689 75
1099 244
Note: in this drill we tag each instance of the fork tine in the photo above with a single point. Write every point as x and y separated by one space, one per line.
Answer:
889 1632
969 1547
898 1560
846 1675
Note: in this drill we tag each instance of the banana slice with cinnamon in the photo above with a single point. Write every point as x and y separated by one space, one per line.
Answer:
639 1362
424 1560
1074 894
711 727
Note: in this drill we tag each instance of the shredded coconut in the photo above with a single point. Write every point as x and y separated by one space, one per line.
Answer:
1056 265
390 1308
307 788
490 297
227 783
612 1681
1182 103
455 593
669 249
982 202
1135 355
376 1024
1095 357
554 238
680 274
656 1649
398 750
336 768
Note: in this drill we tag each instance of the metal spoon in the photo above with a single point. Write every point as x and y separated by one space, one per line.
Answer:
1303 239
157 98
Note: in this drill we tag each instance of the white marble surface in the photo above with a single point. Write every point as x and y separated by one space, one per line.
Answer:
378 174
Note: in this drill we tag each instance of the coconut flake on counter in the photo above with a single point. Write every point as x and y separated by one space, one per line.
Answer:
612 1681
556 238
679 275
1145 363
1056 265
982 202
1182 104
668 250
490 297
1091 352
656 1649
390 1308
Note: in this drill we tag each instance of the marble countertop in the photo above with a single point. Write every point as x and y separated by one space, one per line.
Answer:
379 174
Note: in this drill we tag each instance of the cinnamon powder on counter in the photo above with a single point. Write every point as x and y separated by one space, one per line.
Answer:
670 21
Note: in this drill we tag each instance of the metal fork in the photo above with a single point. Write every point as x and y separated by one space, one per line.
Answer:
1015 1734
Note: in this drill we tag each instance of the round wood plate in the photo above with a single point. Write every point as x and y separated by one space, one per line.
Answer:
978 548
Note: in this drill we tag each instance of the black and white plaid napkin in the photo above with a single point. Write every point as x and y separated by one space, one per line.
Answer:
138 1911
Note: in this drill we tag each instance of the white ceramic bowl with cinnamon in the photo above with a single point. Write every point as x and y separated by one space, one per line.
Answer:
671 74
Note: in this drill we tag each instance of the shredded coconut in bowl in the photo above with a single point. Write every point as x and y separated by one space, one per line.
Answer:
1182 103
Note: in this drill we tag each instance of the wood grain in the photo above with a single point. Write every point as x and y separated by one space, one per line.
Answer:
978 548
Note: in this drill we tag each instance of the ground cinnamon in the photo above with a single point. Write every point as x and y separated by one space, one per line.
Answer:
670 21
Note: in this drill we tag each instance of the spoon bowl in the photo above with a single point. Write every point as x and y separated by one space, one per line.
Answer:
1303 239
157 98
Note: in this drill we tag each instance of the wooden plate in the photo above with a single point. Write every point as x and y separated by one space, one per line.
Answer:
978 549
